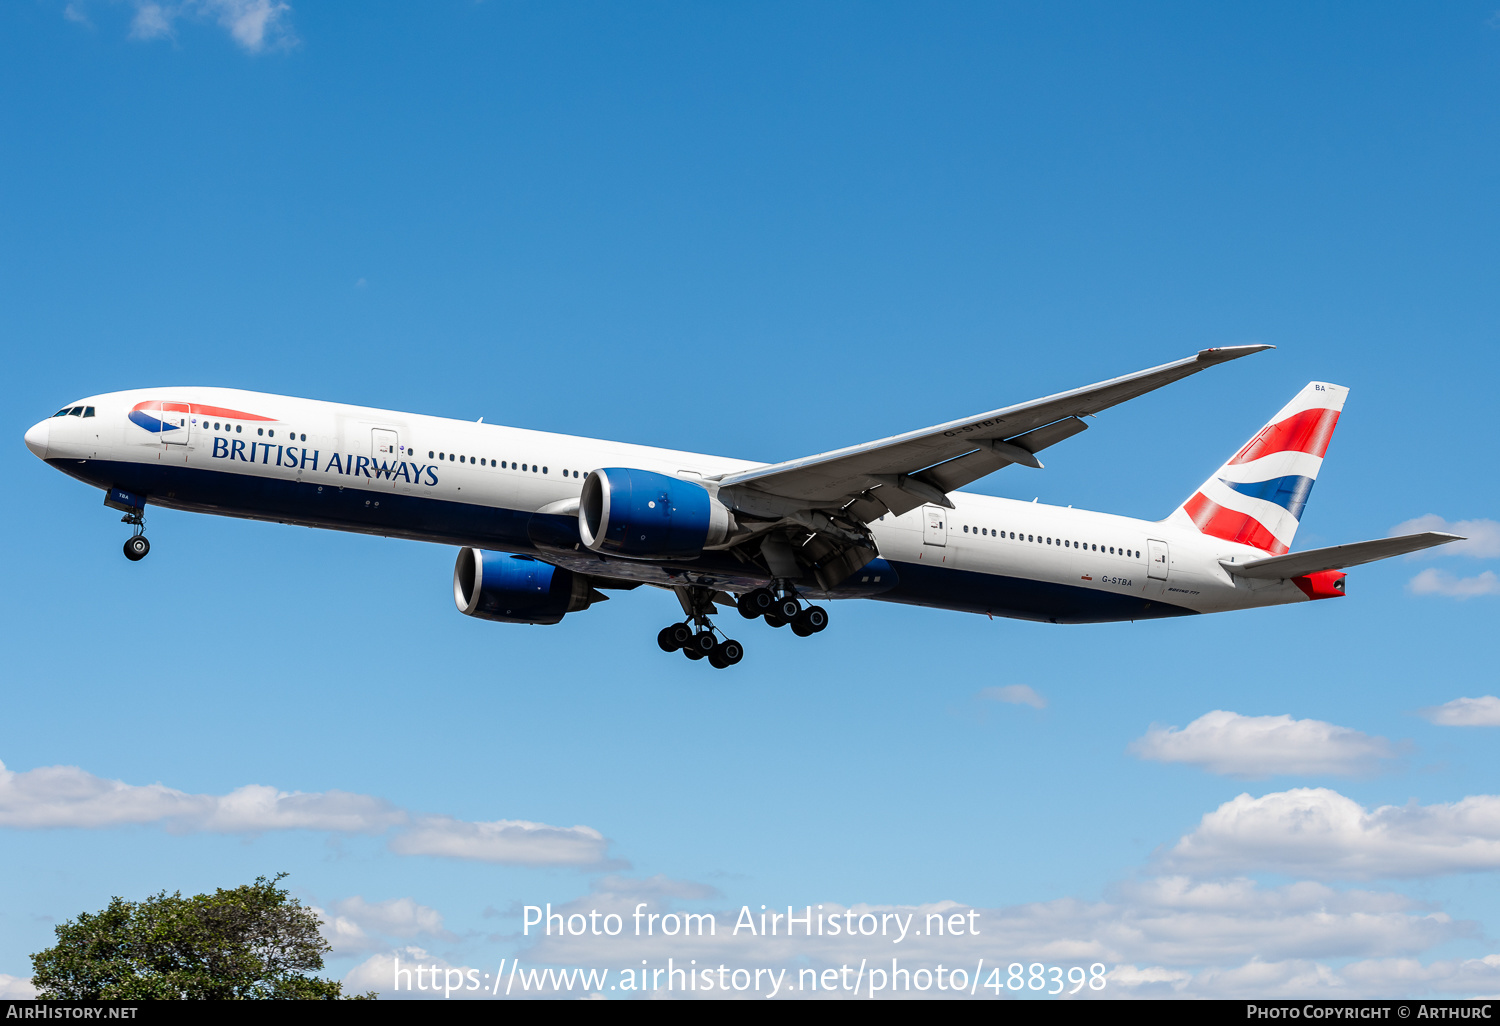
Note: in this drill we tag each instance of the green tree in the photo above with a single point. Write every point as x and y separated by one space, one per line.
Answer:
254 941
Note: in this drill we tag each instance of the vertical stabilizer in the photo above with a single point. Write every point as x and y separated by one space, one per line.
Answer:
1258 496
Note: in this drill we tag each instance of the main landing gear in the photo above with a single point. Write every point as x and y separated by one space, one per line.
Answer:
136 546
781 607
701 644
697 638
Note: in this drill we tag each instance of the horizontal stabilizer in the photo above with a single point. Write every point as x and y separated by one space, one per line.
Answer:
1336 557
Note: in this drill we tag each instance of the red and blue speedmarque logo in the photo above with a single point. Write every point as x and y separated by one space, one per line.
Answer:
152 414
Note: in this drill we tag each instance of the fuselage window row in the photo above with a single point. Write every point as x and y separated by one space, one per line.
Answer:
228 428
1044 540
485 461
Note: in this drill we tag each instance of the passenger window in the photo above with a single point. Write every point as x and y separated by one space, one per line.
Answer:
272 433
238 428
544 470
303 438
260 431
430 455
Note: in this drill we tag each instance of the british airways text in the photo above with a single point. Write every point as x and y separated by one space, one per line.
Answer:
302 459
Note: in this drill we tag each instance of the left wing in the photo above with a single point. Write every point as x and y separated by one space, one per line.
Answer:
900 473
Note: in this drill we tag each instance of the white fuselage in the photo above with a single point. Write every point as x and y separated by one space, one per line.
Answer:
278 458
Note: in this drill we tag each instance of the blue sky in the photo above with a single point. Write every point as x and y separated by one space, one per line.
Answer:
761 231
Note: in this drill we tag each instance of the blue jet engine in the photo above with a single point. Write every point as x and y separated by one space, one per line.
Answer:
641 514
517 589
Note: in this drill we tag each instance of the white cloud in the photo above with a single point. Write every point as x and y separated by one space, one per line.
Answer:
1320 833
67 796
1015 694
1259 746
256 25
1466 712
398 917
1439 582
1482 537
1172 921
16 988
151 21
1302 978
1169 936
351 925
512 841
252 23
378 973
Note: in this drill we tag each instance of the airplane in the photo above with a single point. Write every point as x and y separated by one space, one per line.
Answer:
546 523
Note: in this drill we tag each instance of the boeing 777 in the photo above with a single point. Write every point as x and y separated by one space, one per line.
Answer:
546 523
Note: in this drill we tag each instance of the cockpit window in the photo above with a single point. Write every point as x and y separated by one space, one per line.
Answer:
76 411
63 412
88 411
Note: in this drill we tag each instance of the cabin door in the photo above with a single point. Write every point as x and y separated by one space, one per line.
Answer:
1158 560
935 525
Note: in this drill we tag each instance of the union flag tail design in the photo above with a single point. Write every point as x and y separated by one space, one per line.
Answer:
1258 496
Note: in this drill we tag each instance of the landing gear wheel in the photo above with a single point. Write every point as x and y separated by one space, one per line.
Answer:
136 547
674 636
801 629
726 654
815 617
788 608
703 642
756 603
776 621
692 653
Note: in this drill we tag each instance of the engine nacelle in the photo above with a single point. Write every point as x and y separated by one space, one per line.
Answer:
646 515
517 589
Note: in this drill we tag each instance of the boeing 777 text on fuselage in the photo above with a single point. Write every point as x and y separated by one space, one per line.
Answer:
547 522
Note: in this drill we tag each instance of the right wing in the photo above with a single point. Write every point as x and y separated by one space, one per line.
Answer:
1336 557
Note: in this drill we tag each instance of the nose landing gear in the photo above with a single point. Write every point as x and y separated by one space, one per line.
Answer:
136 546
134 508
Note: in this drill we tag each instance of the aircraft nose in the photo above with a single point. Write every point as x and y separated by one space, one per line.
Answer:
36 439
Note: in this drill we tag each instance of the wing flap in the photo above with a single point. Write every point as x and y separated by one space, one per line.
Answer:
1336 557
987 459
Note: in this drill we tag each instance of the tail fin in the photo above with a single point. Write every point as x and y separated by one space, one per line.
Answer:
1257 497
